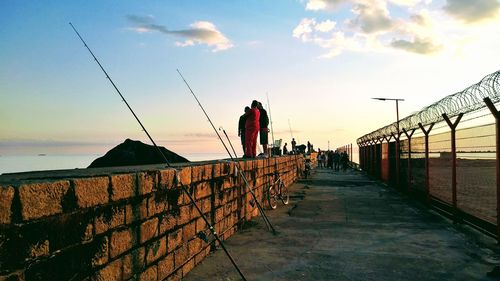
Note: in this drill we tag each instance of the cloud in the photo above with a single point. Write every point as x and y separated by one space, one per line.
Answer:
371 16
417 45
370 26
325 26
472 10
200 32
316 5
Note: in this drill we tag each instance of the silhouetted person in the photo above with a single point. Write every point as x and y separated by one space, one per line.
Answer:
285 150
309 147
241 128
294 143
336 160
264 131
344 160
251 130
329 163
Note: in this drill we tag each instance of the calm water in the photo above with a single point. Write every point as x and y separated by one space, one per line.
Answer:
25 163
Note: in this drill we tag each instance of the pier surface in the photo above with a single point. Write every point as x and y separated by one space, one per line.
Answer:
344 226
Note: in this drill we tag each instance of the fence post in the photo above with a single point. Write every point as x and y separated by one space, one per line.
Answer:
373 153
496 114
453 127
396 138
427 182
410 176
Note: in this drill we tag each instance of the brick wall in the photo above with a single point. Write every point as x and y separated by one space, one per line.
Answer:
134 225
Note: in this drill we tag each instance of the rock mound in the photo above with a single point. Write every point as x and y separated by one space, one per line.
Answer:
130 153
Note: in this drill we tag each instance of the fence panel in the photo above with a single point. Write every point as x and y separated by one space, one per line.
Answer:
440 170
476 171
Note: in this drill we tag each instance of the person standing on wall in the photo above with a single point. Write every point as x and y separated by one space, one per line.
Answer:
294 143
263 123
285 150
251 130
241 127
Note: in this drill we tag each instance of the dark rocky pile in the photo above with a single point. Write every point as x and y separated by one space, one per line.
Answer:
130 153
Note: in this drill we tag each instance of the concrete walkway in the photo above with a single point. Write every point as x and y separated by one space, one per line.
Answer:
344 226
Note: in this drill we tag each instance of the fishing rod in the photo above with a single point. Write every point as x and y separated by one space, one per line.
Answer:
261 210
212 229
123 99
271 121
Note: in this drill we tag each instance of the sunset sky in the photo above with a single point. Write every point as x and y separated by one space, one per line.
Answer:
320 61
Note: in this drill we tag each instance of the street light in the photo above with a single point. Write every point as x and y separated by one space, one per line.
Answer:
397 108
397 139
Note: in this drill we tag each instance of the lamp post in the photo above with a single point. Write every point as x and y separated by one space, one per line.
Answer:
397 135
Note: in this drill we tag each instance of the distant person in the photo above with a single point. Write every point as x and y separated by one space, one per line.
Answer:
329 163
320 160
336 160
294 144
309 147
344 159
264 131
251 130
241 127
285 150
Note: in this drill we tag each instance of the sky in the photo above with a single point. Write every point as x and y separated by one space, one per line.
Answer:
319 61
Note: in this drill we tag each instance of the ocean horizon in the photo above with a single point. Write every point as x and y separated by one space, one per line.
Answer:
47 162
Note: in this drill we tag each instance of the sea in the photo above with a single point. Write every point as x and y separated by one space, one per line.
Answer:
43 162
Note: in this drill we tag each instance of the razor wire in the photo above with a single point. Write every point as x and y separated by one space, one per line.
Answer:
466 101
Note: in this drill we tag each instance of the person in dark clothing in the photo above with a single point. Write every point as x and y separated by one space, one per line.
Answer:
264 131
329 163
251 130
285 150
241 128
294 143
309 148
336 160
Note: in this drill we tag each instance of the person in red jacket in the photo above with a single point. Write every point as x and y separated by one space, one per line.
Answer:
251 130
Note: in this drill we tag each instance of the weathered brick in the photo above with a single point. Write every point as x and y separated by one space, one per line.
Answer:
112 272
189 231
167 222
186 268
150 274
174 240
42 199
176 276
207 172
91 192
157 204
110 218
202 190
200 225
121 241
156 250
166 178
194 247
219 214
133 263
216 170
136 211
146 182
165 267
227 168
197 173
148 230
101 257
40 249
6 197
180 255
184 214
122 186
184 175
200 257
